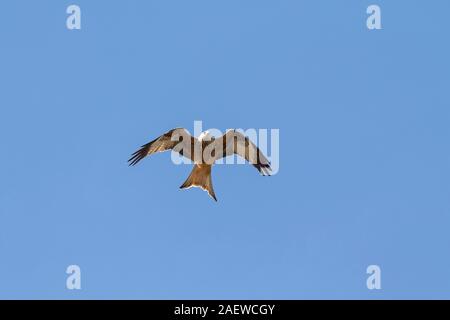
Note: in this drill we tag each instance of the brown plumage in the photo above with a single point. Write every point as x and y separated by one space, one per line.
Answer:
204 151
200 177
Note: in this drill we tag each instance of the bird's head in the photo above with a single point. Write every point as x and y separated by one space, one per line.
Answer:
205 136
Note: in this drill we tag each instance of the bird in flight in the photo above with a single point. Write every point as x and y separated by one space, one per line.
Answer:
204 151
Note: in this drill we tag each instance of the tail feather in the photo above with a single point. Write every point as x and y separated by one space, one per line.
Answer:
200 177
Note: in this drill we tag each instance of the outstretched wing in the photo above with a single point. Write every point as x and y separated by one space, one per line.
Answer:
234 142
177 139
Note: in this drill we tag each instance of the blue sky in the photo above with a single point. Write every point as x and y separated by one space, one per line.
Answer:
364 149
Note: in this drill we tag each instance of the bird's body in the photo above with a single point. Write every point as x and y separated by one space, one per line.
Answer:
204 151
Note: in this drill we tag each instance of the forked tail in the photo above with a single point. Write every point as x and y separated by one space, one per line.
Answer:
200 177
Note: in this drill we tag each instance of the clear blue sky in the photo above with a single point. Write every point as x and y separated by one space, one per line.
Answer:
365 158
